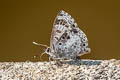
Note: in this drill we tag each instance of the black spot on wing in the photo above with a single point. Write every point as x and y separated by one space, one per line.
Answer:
73 25
60 43
56 38
66 26
68 37
83 44
53 46
57 21
58 31
75 30
63 37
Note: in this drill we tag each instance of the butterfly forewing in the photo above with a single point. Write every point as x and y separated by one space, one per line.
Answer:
59 27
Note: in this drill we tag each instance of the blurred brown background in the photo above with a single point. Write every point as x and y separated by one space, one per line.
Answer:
24 21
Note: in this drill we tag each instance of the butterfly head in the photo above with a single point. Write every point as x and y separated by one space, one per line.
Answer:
48 51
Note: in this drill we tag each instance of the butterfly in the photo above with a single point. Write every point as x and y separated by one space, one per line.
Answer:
67 41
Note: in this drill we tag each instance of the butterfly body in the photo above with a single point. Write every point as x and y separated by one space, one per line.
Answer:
67 40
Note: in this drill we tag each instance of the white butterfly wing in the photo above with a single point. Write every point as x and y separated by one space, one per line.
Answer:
59 27
63 24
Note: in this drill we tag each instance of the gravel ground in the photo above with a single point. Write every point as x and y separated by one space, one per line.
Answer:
68 70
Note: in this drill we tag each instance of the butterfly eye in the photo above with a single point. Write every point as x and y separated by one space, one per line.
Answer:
48 49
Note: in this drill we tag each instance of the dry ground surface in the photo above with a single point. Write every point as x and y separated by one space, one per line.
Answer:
68 70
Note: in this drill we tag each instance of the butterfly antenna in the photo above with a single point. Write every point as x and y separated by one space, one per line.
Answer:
39 44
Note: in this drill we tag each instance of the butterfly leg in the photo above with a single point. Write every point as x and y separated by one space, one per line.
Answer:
50 59
58 62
